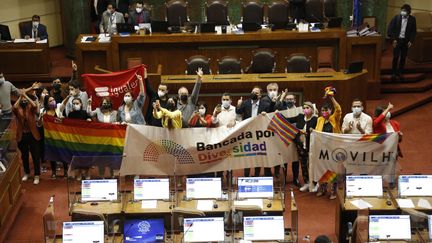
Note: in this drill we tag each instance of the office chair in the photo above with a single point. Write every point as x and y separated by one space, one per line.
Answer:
176 13
229 65
278 12
217 12
252 12
263 61
298 63
195 62
314 11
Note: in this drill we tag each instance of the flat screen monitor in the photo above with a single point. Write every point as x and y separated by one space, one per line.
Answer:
364 186
202 188
430 226
99 190
83 232
415 185
263 228
389 227
5 33
255 187
144 230
203 229
151 189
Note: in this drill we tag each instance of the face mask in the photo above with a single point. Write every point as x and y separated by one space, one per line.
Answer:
2 80
170 106
183 98
254 96
226 103
272 94
52 104
56 86
202 112
356 110
23 103
325 114
161 93
127 99
307 112
138 10
289 104
404 13
77 107
35 24
388 115
106 106
110 11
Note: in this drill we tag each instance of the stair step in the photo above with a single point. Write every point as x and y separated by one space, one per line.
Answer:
421 86
408 78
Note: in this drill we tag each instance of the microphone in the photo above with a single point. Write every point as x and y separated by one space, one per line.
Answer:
184 234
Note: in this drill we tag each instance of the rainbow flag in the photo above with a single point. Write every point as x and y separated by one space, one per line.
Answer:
328 177
378 138
66 138
281 126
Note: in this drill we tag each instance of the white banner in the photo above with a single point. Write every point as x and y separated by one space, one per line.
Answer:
354 154
159 151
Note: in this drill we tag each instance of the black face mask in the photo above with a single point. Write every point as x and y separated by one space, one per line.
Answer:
23 103
106 106
183 98
56 86
254 96
289 104
170 106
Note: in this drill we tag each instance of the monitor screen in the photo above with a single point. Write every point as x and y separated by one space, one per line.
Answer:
144 230
151 189
389 227
255 187
83 232
263 228
203 229
5 33
415 185
99 190
200 188
364 186
430 227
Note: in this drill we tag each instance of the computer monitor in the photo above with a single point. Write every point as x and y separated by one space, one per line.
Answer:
203 229
144 230
5 33
415 185
99 190
364 186
159 26
151 189
125 28
335 22
430 226
202 188
263 228
255 187
354 67
83 232
389 227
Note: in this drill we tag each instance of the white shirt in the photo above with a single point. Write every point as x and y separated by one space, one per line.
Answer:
106 118
365 123
403 27
255 109
389 127
225 117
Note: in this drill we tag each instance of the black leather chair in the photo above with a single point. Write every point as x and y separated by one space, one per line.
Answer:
176 13
278 12
314 11
298 63
217 12
229 65
263 61
253 12
195 62
330 8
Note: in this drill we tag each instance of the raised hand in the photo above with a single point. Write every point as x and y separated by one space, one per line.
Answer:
240 101
390 106
74 66
139 76
200 73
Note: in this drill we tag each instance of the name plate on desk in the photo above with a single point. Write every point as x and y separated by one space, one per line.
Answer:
149 204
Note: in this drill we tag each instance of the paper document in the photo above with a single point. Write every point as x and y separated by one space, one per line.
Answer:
24 40
205 205
250 202
361 204
405 203
423 203
42 41
149 204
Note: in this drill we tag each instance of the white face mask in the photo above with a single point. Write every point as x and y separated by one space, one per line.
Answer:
161 93
77 107
272 94
202 111
35 24
127 99
138 10
2 80
404 13
226 103
388 115
356 110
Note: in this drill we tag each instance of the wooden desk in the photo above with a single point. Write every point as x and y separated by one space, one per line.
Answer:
347 212
275 206
105 208
310 84
135 207
416 236
415 200
25 61
222 205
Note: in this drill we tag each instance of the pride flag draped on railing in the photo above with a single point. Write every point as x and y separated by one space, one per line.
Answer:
65 138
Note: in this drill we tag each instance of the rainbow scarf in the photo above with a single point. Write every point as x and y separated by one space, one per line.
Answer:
328 177
378 138
66 138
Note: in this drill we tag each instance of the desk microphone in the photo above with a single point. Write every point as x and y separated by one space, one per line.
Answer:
388 200
184 234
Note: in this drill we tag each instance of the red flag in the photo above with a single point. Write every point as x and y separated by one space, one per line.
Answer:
113 85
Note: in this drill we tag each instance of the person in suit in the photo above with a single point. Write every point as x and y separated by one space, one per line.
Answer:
35 30
251 107
110 19
402 30
139 15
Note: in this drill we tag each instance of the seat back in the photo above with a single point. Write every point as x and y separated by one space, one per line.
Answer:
263 61
325 57
298 63
330 8
314 11
176 13
217 12
278 12
253 12
424 21
195 62
229 65
22 25
133 61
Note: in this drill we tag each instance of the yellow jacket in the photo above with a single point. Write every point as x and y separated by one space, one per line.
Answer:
334 119
170 119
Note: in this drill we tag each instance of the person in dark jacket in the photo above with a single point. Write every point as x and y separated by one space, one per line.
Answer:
402 30
35 30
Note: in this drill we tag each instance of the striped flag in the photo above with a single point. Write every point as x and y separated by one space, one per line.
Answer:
378 138
281 126
328 177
